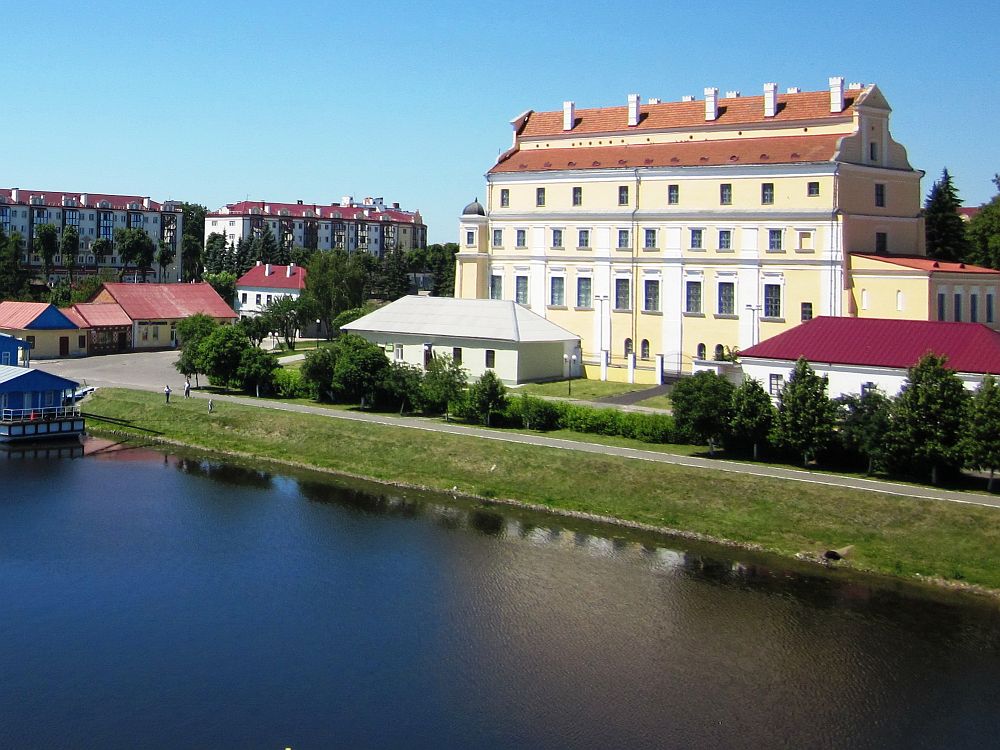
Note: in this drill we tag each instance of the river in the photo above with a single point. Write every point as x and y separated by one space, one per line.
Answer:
154 600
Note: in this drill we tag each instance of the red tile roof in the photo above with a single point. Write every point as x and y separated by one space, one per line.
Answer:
969 347
333 211
100 314
744 110
279 277
54 198
783 150
169 301
922 263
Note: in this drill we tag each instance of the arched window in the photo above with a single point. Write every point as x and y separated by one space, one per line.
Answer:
628 347
701 351
644 349
720 352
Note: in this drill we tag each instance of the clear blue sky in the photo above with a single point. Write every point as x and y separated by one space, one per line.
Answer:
212 102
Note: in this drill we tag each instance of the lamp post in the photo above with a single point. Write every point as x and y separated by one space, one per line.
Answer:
570 366
317 332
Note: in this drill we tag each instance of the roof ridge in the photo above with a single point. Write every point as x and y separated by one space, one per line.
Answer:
517 328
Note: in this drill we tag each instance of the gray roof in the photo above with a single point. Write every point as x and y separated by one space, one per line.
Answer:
474 209
13 372
493 320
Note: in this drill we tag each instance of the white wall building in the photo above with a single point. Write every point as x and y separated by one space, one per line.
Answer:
95 215
517 344
265 282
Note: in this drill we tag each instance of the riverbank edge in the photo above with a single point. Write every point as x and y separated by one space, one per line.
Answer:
610 521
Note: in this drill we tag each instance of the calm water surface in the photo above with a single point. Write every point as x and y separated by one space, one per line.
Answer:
157 601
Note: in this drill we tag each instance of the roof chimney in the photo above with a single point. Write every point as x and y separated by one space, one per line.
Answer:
14 194
837 94
633 110
855 86
569 115
793 90
259 262
145 203
653 100
687 98
288 270
732 94
267 269
711 104
770 99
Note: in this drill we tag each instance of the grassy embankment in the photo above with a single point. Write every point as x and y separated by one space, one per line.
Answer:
590 390
892 535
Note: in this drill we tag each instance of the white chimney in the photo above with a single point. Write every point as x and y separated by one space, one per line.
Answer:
288 270
837 94
793 90
259 262
855 86
770 99
145 203
711 104
84 199
633 110
687 98
569 115
15 193
732 94
267 270
653 100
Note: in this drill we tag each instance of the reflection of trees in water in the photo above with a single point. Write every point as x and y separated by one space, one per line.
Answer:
238 476
486 522
359 500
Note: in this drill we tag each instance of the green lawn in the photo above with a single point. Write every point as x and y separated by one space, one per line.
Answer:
891 535
583 389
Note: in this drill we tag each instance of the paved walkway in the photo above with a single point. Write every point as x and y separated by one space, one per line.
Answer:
150 371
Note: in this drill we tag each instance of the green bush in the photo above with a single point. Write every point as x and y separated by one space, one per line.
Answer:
291 384
535 413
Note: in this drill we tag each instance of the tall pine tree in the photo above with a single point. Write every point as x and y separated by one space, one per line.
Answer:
806 416
943 225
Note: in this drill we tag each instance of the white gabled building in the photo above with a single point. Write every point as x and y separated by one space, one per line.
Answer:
265 282
518 345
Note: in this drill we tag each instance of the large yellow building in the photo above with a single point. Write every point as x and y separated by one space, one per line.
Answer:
666 232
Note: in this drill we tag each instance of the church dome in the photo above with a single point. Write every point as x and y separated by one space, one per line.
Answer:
474 209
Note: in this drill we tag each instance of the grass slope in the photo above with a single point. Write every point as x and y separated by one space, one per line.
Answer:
891 535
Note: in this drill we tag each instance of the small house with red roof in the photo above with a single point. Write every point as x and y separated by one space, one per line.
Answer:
154 310
108 328
266 282
858 354
48 331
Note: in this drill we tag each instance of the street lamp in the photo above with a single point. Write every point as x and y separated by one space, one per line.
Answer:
570 366
317 333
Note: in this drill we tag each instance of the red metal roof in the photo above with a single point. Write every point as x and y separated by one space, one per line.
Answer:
969 347
18 315
300 211
783 150
923 263
54 198
100 314
279 277
744 110
169 301
73 315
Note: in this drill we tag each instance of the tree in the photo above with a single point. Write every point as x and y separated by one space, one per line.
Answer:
984 232
401 384
69 247
164 257
486 397
256 369
335 283
265 247
702 406
925 424
191 332
442 267
222 354
134 247
61 293
752 416
13 278
255 327
224 283
358 369
317 370
240 257
944 228
443 383
864 422
86 289
192 240
46 244
981 442
395 279
282 316
215 253
805 420
102 250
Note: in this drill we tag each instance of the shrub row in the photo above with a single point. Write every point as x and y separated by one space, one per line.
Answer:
543 415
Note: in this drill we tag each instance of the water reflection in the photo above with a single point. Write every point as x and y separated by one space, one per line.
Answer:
230 474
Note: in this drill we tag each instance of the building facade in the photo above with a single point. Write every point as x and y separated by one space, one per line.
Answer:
369 226
264 283
95 216
694 229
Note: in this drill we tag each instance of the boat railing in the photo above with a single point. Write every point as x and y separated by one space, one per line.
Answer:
39 414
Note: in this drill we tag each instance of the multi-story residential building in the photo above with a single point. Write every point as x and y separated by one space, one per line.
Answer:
369 226
667 232
95 216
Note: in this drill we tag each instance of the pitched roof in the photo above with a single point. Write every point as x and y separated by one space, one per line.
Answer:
54 199
281 277
969 347
98 314
733 111
74 316
12 372
492 320
6 338
781 150
313 210
923 263
33 315
168 301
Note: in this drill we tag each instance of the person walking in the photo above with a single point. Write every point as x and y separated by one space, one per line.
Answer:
166 392
187 387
